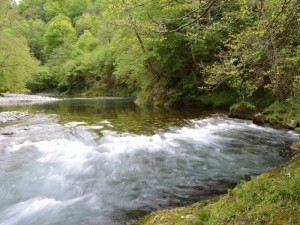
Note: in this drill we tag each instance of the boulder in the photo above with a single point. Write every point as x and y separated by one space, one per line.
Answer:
297 129
290 124
258 119
242 111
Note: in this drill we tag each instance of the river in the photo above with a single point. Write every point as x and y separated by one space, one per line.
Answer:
106 161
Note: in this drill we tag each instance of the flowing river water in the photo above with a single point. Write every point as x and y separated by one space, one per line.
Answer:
106 161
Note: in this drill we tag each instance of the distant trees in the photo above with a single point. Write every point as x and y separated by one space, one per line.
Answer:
59 31
159 50
16 63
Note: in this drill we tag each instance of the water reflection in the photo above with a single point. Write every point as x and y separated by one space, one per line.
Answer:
121 112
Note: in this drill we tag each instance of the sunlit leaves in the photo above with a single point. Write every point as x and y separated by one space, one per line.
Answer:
58 32
16 63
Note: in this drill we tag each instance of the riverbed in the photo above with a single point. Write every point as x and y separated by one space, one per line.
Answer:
107 161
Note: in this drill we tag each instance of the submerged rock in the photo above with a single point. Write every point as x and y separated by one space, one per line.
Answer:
7 133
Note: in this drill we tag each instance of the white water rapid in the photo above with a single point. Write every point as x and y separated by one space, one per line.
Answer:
74 173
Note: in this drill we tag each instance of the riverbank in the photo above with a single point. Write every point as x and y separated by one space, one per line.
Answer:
17 99
13 98
270 198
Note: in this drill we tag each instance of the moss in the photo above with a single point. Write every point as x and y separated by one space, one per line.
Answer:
271 198
180 215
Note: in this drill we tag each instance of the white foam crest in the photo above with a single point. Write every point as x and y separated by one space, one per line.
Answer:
223 123
293 133
116 143
106 122
71 155
95 127
74 124
17 147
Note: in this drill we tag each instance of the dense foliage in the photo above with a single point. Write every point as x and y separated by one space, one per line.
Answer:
159 50
16 63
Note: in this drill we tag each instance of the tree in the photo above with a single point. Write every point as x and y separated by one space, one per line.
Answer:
16 63
59 31
262 56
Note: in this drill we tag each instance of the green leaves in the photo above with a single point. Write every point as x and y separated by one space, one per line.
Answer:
16 63
181 47
58 32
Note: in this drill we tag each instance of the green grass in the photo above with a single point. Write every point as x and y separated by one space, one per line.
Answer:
271 198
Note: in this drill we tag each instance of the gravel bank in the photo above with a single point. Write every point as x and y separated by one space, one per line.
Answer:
15 99
12 99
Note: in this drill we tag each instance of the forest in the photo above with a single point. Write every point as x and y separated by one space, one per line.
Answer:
214 52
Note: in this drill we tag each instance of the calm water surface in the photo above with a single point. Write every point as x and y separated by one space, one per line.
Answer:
107 161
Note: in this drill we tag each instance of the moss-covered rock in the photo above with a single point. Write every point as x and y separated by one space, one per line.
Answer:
297 129
242 110
271 198
258 119
289 123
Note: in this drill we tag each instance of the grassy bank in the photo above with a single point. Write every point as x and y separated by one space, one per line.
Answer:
270 198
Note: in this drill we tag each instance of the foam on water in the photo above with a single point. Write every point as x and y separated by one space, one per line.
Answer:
70 175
